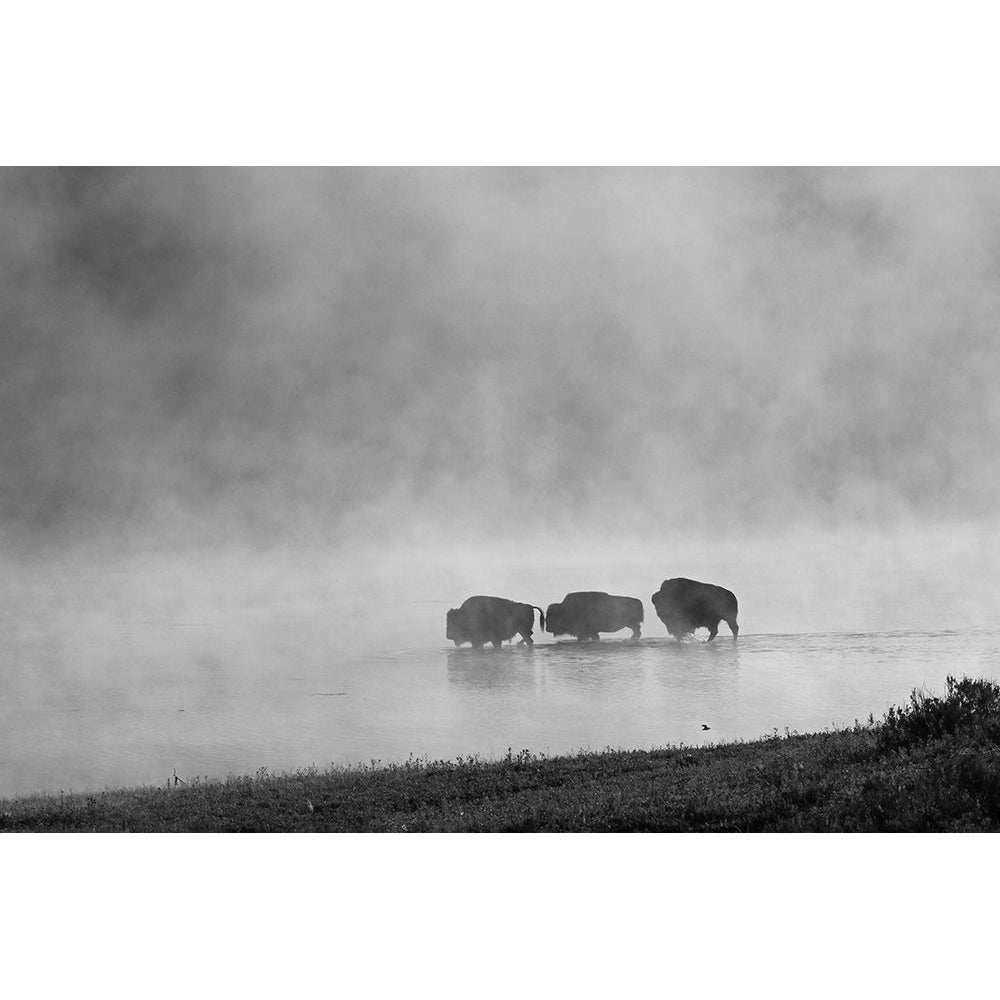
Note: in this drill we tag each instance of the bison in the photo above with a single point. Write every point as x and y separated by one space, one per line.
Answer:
684 605
491 619
587 613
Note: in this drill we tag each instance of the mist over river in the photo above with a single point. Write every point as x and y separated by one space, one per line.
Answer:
121 672
263 427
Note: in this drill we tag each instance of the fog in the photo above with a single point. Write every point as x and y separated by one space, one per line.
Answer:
262 428
255 360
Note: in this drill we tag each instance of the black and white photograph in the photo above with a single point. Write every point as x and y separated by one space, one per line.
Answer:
532 423
500 499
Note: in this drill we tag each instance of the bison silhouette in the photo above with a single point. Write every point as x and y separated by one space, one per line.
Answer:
684 605
587 613
483 619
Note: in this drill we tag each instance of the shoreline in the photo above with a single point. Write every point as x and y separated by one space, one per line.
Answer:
933 765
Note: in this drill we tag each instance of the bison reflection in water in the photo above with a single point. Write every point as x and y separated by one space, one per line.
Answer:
684 605
491 619
585 614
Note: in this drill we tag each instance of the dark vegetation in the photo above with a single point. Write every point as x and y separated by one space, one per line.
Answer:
931 765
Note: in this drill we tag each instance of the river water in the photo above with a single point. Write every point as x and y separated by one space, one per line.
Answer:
129 672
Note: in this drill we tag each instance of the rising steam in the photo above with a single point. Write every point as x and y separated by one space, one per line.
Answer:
293 356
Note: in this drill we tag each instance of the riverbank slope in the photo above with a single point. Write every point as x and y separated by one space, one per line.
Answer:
933 765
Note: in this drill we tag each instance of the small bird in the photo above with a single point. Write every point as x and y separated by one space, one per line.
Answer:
703 726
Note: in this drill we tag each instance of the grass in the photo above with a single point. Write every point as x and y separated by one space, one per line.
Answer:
932 765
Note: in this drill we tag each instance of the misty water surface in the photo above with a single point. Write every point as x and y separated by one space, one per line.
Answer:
263 427
118 674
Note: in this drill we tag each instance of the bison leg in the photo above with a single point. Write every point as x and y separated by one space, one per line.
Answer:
497 643
636 631
526 639
733 627
713 631
678 628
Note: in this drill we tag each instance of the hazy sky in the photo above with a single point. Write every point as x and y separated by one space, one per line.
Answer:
299 356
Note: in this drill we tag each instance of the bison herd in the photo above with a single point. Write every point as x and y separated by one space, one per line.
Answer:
682 605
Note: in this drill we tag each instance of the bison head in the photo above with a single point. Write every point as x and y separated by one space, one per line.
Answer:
555 619
453 629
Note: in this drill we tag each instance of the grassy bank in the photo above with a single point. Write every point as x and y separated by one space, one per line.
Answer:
931 765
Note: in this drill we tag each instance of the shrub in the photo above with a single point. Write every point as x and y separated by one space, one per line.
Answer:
970 706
